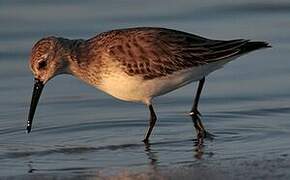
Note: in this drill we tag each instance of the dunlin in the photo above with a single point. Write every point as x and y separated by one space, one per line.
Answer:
135 64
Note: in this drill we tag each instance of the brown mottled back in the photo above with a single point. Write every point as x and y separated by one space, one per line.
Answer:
155 52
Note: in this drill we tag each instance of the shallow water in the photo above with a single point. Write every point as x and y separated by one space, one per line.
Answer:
81 132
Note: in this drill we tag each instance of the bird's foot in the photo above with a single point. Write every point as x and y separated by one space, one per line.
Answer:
201 135
208 135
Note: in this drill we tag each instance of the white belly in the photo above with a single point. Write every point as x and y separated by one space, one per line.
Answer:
134 88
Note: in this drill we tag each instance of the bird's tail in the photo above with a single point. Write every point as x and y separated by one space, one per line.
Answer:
253 45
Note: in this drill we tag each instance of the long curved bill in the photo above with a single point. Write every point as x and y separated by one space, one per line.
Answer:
38 86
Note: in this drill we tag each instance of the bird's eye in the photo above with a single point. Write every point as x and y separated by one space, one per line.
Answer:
42 64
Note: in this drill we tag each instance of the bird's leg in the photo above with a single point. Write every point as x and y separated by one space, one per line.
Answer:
194 109
152 122
194 113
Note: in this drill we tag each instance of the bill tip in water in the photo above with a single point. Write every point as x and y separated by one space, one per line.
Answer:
28 129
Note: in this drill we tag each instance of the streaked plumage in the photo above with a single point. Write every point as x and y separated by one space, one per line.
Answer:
136 64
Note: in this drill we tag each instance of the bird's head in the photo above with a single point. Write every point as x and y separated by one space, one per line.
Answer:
46 61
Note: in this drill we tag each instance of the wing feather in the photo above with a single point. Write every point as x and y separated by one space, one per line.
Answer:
155 52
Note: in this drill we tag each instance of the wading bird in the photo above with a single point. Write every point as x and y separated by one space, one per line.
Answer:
135 64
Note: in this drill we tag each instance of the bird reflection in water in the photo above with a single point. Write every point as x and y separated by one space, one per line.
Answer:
152 157
198 145
30 167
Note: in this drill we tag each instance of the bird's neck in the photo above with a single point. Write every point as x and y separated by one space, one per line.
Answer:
73 52
80 57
